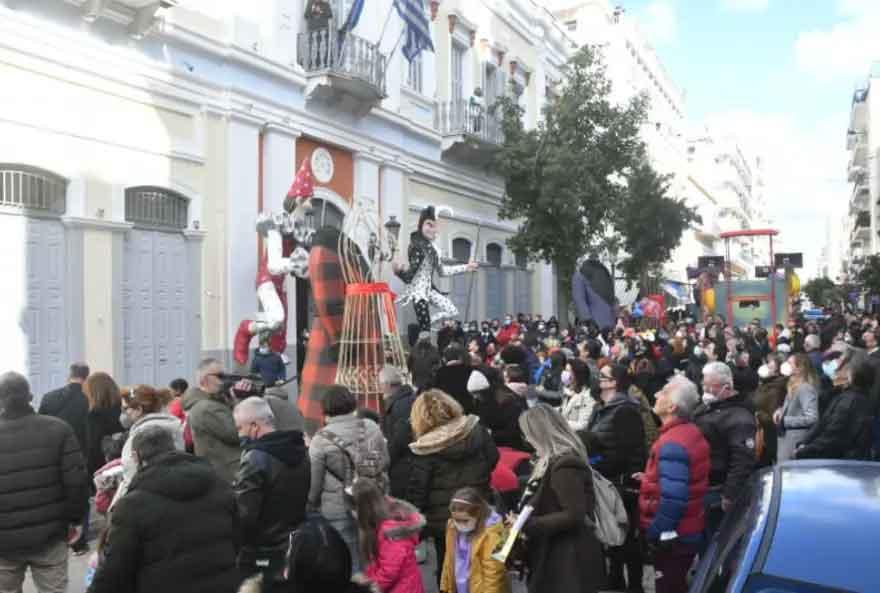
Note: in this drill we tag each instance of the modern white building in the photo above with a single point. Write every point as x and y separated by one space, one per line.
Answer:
139 140
863 142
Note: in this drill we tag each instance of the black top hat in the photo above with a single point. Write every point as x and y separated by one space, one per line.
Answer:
427 214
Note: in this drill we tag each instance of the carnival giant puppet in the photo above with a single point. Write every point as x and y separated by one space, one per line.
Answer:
418 274
286 241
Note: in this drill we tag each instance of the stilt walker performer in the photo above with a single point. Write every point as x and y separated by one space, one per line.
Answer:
418 274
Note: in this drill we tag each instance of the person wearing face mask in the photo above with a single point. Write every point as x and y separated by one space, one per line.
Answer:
578 403
473 533
486 336
615 439
175 530
728 423
769 396
800 410
143 406
510 330
271 489
844 429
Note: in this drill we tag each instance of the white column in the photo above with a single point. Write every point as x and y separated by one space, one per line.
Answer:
279 165
393 203
547 304
241 243
279 170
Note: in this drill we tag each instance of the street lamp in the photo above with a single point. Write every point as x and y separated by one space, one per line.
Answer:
392 227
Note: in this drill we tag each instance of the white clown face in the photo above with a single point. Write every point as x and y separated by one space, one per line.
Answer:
430 228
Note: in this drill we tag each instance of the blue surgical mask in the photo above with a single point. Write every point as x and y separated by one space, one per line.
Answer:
829 367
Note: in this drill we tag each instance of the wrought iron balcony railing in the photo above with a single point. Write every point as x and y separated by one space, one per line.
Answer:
326 51
462 117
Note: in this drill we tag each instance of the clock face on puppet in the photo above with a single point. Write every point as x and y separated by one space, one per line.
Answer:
322 165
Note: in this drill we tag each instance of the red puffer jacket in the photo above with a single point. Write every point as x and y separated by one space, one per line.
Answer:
680 462
395 569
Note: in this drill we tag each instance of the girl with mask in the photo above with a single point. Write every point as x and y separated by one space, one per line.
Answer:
388 532
473 533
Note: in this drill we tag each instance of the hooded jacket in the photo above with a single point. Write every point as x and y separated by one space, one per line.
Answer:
272 489
458 454
395 569
486 575
213 430
43 482
173 532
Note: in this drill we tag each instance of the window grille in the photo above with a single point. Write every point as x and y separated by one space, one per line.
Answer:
414 74
31 188
156 207
461 250
493 254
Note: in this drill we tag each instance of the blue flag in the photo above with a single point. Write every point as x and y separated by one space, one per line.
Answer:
354 15
418 28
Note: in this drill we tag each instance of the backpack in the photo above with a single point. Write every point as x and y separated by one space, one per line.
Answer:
367 462
610 521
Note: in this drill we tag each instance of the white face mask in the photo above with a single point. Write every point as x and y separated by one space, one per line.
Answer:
698 352
763 371
709 398
566 378
465 526
786 369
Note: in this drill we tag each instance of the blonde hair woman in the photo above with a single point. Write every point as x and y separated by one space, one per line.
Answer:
452 451
800 411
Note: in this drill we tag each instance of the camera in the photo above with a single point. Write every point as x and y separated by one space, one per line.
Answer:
230 380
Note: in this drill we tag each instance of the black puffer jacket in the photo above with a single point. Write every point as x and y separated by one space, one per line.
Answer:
730 428
43 483
174 531
615 438
453 379
398 435
102 422
843 431
69 404
450 457
397 410
272 488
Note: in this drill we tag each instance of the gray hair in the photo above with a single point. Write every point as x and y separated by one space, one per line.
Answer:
812 342
390 375
255 409
151 441
719 370
206 365
549 433
684 395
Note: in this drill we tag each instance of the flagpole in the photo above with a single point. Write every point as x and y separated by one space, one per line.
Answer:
394 49
385 26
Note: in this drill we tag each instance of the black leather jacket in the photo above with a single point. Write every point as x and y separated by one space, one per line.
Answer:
271 489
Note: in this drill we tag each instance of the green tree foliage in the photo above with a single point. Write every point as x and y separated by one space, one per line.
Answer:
563 179
869 275
650 222
822 292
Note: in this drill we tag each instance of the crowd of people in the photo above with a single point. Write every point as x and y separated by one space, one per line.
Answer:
209 488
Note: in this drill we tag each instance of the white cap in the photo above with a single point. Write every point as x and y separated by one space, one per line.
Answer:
477 382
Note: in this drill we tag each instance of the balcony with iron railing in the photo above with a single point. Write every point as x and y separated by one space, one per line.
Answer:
470 131
342 68
860 200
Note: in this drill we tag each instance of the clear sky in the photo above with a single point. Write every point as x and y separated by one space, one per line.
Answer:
779 74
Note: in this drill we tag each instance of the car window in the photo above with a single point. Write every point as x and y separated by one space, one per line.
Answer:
734 539
727 564
762 583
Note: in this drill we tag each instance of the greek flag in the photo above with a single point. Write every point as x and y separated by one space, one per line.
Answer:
354 15
418 29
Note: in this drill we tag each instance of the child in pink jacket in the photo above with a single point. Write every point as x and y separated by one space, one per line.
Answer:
388 531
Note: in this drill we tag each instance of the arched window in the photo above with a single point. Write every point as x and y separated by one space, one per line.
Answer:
493 254
156 208
461 250
31 188
522 261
